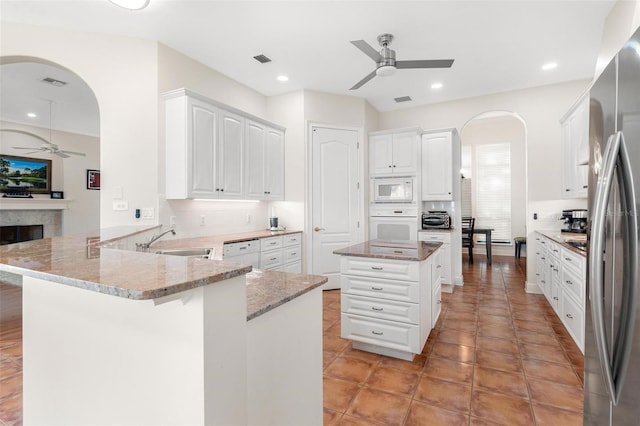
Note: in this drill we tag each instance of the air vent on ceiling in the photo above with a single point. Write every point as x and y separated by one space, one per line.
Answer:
262 59
54 82
402 99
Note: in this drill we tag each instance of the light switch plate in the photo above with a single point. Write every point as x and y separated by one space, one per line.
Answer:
120 205
147 213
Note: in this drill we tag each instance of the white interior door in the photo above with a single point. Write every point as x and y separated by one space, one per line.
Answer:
335 199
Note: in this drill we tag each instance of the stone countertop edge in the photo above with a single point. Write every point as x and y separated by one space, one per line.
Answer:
560 238
263 296
402 250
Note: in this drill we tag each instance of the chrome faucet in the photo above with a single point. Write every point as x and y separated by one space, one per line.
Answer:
145 246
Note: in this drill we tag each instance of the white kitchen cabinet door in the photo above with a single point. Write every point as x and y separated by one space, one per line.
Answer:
575 147
274 165
230 156
255 137
405 153
381 154
191 132
437 163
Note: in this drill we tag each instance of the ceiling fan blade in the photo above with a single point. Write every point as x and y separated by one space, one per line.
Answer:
364 80
427 63
73 152
60 154
27 153
367 50
22 132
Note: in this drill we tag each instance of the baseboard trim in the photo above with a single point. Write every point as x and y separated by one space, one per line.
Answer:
532 288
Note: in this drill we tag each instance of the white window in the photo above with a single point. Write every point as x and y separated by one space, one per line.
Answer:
493 190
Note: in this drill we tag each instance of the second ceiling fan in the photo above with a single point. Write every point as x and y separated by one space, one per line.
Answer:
385 60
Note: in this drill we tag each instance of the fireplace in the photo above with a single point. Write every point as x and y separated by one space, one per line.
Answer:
18 233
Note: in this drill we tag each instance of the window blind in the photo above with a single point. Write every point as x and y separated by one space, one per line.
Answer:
493 185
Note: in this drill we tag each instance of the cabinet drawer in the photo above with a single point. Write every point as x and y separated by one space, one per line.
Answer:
293 267
292 239
271 258
380 268
292 253
553 249
437 237
390 334
573 318
574 262
381 308
402 291
574 285
271 243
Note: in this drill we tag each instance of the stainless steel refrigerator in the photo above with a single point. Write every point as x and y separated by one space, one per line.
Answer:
612 320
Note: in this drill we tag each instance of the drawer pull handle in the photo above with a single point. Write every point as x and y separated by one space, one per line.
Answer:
377 288
274 258
439 302
377 268
569 282
567 259
377 333
555 298
569 316
439 266
243 248
377 309
273 243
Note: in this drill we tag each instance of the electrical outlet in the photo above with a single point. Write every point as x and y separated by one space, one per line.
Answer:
172 221
248 217
120 205
202 221
147 212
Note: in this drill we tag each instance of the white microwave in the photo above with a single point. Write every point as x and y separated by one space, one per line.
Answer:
393 190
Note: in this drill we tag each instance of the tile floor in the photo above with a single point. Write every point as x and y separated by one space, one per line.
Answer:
497 356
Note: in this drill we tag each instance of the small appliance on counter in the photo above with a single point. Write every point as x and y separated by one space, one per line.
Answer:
436 219
574 220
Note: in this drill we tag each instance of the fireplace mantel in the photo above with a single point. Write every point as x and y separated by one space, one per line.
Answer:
33 204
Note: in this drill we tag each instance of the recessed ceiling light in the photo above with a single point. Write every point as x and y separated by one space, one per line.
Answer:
549 66
283 78
32 115
131 4
436 86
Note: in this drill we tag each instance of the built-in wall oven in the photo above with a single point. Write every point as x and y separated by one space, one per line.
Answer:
393 222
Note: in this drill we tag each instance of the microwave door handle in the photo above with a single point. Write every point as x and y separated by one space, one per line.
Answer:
615 154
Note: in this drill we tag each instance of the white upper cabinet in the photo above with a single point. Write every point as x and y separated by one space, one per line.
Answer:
215 151
393 153
575 147
437 166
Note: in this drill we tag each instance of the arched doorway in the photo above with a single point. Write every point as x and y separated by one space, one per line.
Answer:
494 170
48 112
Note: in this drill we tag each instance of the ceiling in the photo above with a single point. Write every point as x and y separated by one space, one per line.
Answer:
498 46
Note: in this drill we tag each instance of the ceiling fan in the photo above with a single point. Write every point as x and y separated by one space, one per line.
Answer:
385 60
48 146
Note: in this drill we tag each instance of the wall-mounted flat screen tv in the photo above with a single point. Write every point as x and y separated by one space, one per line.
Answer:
23 174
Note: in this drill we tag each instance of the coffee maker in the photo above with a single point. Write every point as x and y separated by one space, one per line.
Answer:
574 220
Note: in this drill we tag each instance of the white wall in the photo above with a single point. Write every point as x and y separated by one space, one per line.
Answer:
622 22
122 72
68 174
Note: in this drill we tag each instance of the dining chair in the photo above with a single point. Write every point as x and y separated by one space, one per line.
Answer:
468 224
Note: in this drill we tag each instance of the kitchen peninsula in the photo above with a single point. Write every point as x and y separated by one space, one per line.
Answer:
114 336
391 295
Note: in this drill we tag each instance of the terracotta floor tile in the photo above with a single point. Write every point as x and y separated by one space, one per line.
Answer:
549 371
9 367
454 352
497 345
11 411
468 326
330 418
334 330
444 394
457 336
465 316
503 382
526 336
338 393
557 395
546 353
334 343
347 368
415 366
393 380
501 409
424 414
365 356
499 331
445 369
327 358
533 326
380 407
347 420
11 387
553 416
498 360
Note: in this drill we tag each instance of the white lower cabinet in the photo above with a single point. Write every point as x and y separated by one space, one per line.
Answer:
443 237
282 253
387 305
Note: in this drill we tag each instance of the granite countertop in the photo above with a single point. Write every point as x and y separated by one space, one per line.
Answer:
217 242
79 261
267 290
566 239
395 250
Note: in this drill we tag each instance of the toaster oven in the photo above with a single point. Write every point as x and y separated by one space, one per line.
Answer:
436 219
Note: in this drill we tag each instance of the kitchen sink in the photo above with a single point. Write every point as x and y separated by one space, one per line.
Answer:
205 253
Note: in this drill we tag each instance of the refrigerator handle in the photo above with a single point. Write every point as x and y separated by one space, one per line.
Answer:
615 154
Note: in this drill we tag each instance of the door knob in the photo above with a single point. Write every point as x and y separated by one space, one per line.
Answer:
317 229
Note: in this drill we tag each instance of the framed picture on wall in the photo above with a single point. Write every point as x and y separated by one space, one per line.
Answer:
93 179
24 175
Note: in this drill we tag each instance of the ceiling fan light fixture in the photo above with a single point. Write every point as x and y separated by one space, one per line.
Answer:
131 4
385 70
436 86
32 115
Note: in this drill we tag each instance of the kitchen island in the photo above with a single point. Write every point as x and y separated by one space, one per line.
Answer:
391 295
113 336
